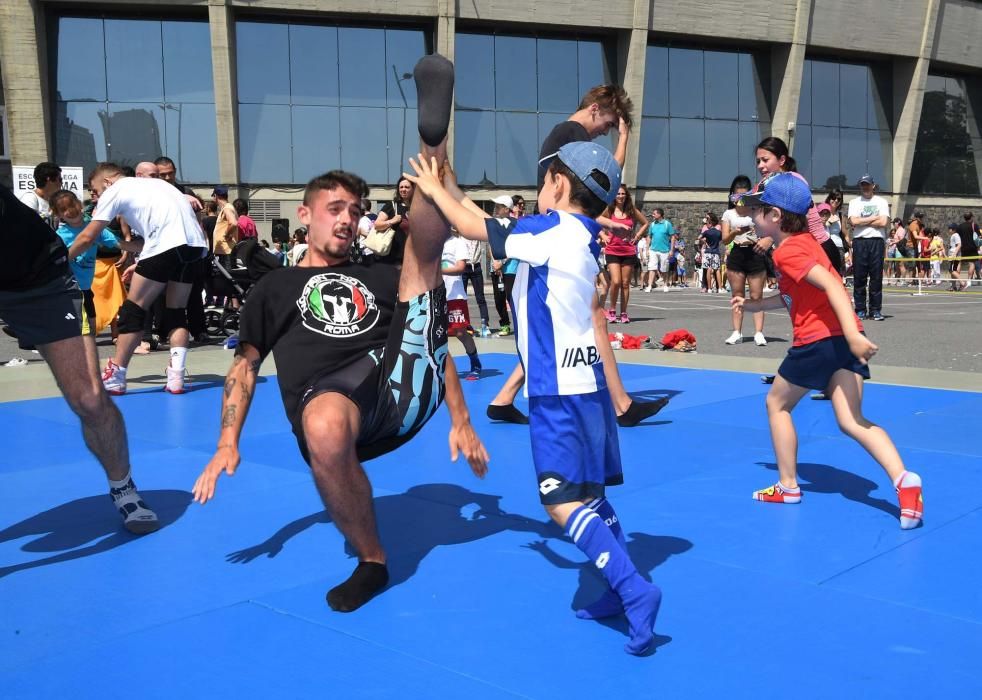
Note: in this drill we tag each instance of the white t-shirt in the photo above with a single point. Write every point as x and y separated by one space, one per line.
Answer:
953 243
456 249
862 208
364 228
296 253
156 210
738 222
41 206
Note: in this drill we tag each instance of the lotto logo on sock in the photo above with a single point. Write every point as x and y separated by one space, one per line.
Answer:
547 486
602 560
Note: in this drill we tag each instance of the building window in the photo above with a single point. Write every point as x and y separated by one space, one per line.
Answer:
949 143
704 112
843 130
301 86
502 116
124 104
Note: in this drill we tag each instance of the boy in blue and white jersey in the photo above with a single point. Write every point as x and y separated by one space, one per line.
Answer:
573 428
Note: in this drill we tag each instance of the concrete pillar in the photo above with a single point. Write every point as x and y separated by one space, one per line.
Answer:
632 48
787 67
23 50
221 24
444 42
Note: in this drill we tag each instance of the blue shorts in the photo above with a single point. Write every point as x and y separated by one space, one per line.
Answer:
812 366
574 446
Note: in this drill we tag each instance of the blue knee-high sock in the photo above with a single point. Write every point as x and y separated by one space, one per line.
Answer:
609 604
640 598
602 507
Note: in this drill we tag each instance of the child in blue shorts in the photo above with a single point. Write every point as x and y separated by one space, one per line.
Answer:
829 351
572 424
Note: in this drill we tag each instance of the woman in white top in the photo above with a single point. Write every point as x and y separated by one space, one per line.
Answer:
744 265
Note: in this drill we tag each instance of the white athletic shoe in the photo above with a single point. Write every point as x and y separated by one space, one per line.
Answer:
735 338
760 339
175 381
664 288
114 379
647 290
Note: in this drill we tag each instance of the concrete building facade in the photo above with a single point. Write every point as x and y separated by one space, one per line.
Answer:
259 94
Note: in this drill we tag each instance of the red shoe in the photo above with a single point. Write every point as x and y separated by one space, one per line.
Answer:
911 501
777 494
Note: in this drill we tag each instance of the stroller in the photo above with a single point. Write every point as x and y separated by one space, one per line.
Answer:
250 261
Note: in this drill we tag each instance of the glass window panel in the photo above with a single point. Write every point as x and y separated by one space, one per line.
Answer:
751 133
593 67
136 132
687 146
187 62
474 66
264 144
134 77
517 147
879 158
262 63
825 157
403 141
879 105
853 94
753 104
474 148
403 48
81 64
366 155
722 152
313 65
686 83
801 151
852 155
80 134
656 82
514 57
805 101
722 81
653 160
191 140
557 79
825 93
316 141
362 53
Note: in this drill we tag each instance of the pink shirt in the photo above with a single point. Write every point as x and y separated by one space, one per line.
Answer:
815 225
247 228
621 241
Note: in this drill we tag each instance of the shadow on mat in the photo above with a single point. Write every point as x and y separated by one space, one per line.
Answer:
197 382
66 528
648 552
435 515
822 478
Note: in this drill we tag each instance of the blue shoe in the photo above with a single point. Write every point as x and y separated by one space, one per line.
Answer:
877 316
861 315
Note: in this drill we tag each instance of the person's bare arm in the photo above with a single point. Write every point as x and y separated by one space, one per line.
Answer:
860 346
462 437
765 304
87 238
427 180
451 186
240 383
642 221
383 223
623 132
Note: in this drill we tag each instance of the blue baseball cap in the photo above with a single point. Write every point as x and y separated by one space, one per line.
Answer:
584 159
786 191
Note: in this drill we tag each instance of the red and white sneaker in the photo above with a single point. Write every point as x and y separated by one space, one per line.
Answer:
175 381
777 494
114 379
911 501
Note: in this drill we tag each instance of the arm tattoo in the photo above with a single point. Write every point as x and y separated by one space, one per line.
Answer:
228 417
254 366
229 385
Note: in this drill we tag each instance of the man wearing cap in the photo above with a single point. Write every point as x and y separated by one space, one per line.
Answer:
226 227
503 271
869 215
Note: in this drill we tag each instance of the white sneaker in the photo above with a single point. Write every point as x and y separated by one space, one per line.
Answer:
664 288
114 379
760 339
175 380
735 338
647 289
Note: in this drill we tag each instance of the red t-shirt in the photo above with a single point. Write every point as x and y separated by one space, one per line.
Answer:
812 317
621 241
247 227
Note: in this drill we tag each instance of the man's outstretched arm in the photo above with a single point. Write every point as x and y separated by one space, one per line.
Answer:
240 383
462 435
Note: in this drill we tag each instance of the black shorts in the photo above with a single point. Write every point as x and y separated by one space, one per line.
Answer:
182 264
397 389
812 366
46 314
744 260
628 260
88 305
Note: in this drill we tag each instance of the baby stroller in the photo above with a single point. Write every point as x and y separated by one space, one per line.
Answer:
250 261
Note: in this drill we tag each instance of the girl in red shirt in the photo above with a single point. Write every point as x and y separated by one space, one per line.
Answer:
625 224
829 350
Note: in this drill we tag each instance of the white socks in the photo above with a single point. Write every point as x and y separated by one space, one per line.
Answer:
178 358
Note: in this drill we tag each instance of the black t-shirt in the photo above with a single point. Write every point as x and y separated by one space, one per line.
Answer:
402 230
966 230
317 320
566 132
208 226
32 253
712 236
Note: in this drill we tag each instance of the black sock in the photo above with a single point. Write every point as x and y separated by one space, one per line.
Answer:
434 76
507 414
639 410
368 578
475 361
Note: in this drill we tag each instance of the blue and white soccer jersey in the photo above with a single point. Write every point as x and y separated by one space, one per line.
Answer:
573 427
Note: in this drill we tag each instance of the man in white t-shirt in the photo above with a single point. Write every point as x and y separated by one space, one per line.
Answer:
47 181
453 264
365 226
869 215
173 253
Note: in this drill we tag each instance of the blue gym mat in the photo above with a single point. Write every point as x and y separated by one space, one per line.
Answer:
823 600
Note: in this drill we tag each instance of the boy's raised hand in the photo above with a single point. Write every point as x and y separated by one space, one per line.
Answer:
427 177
